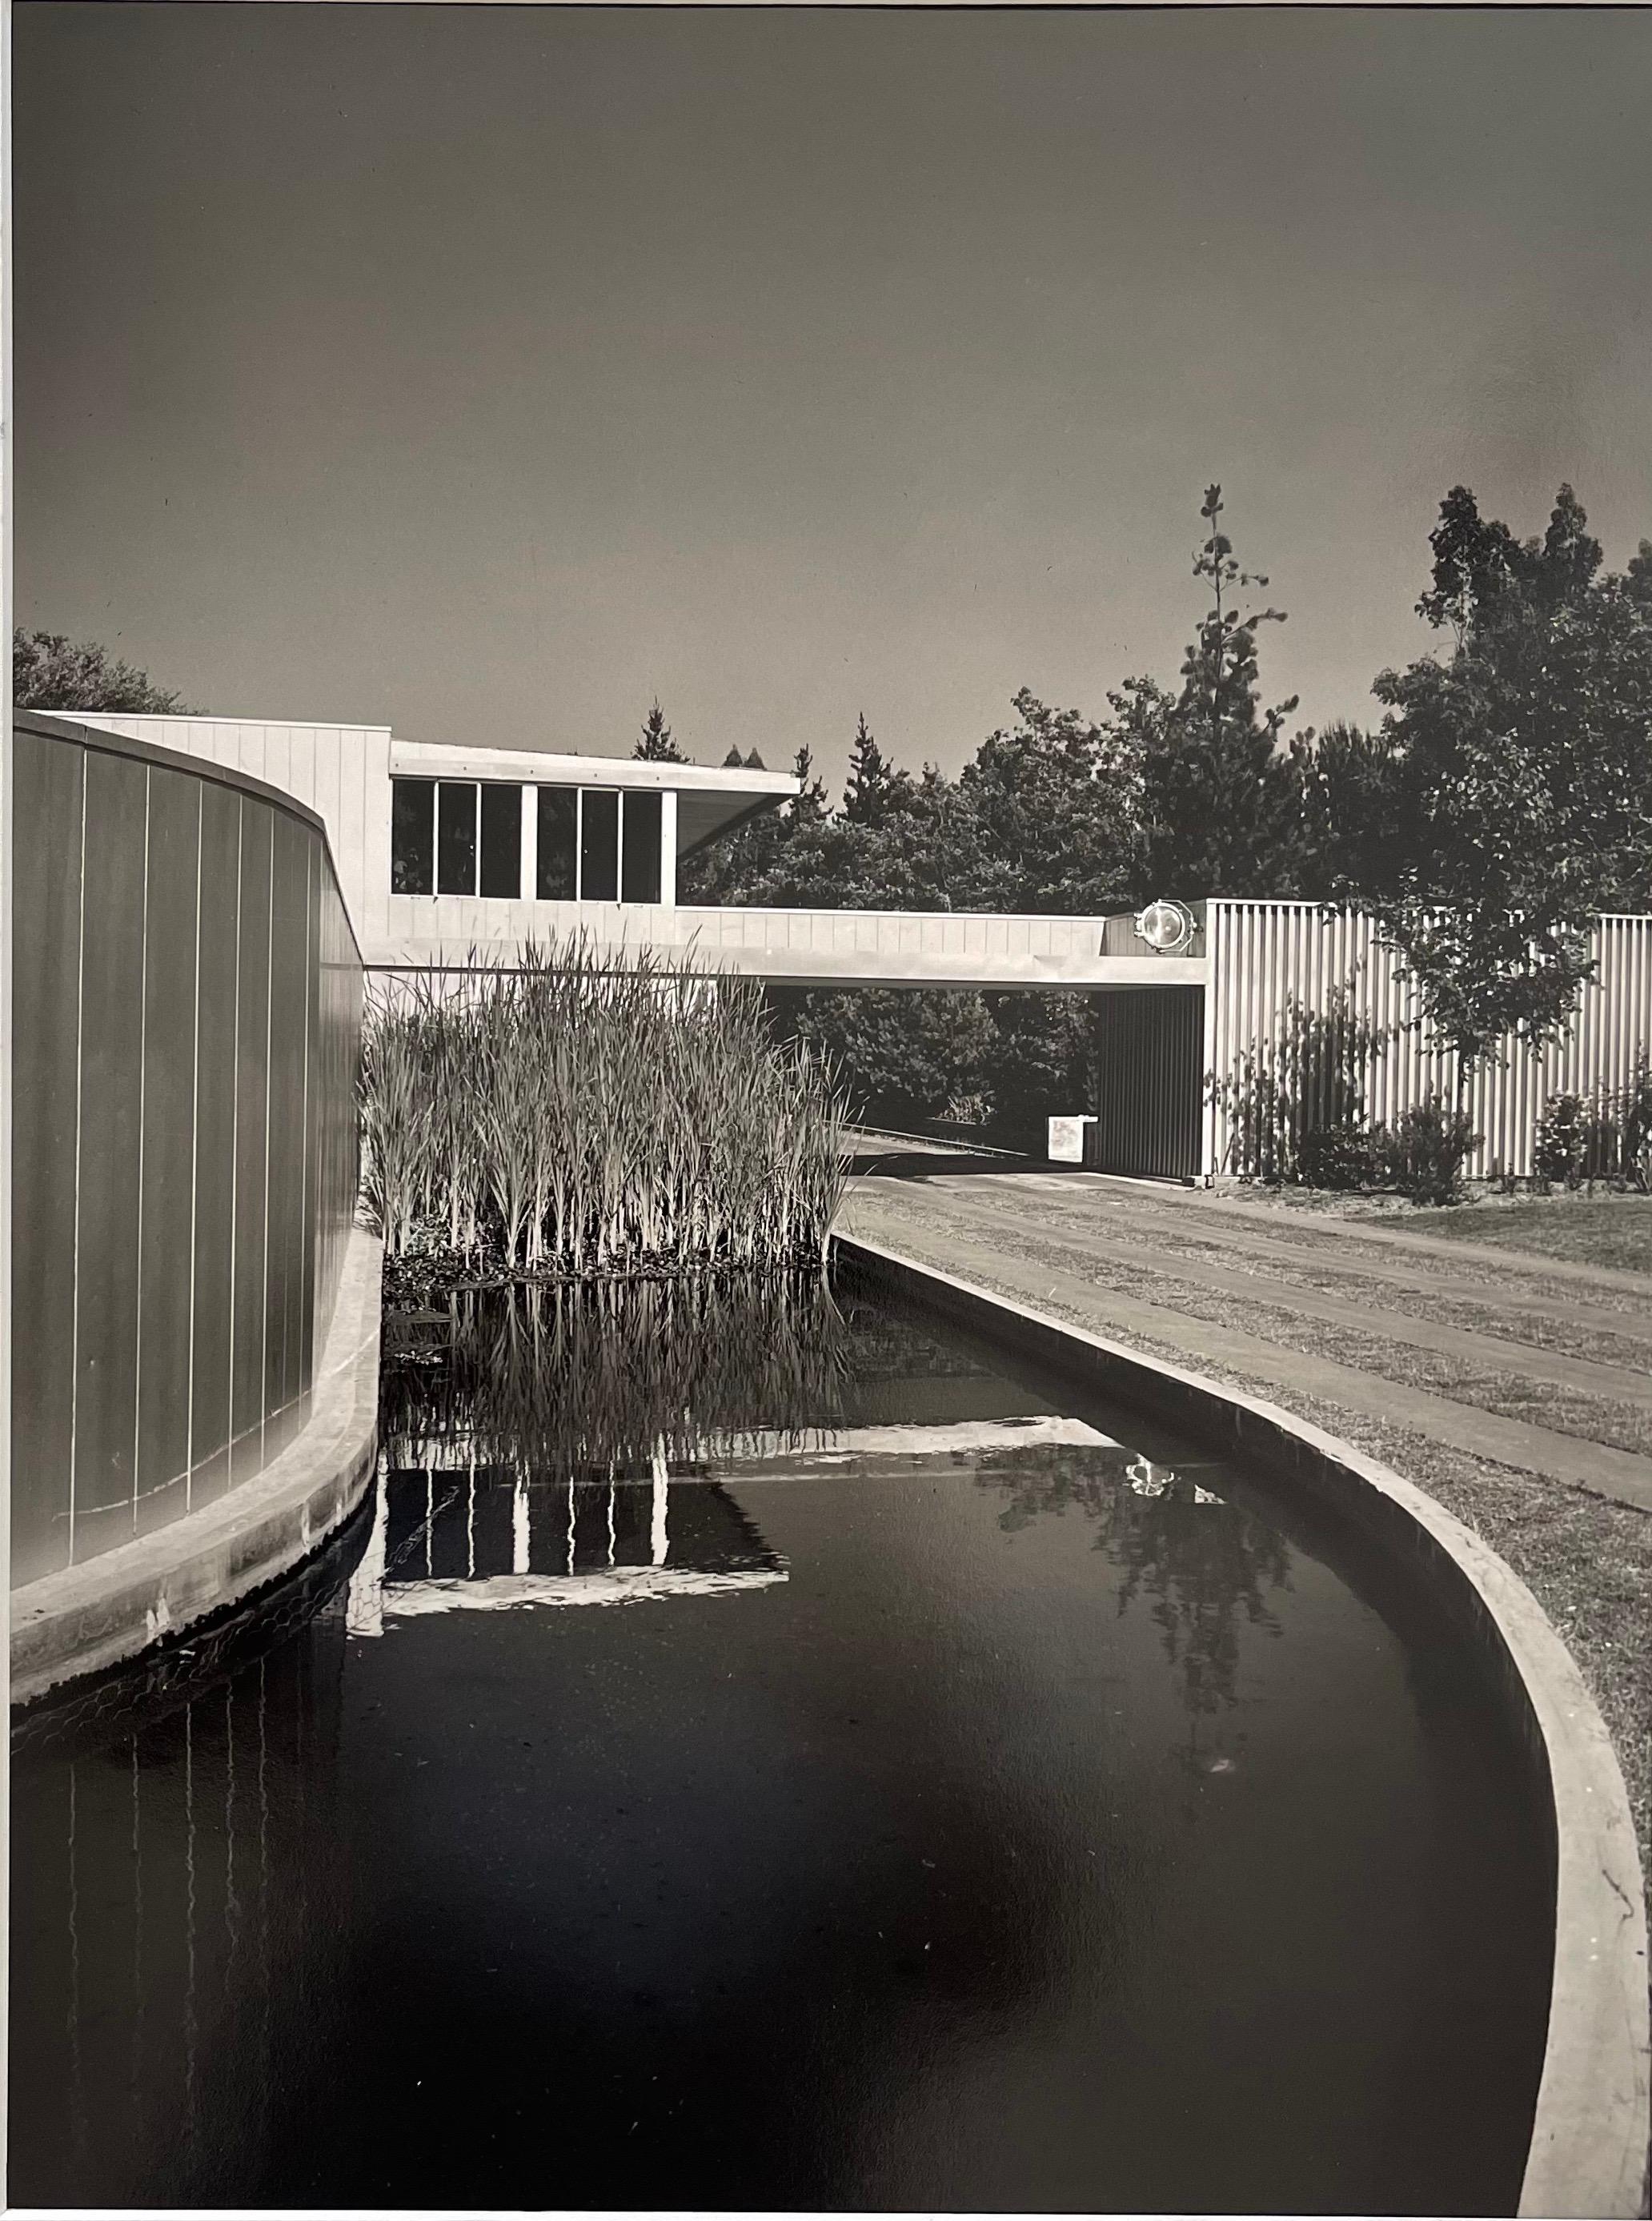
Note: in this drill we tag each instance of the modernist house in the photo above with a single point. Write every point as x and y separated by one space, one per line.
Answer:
444 853
444 850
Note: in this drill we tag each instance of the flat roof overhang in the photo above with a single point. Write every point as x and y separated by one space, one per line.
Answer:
792 968
792 956
711 801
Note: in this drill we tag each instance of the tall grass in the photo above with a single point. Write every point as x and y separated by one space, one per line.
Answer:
579 1114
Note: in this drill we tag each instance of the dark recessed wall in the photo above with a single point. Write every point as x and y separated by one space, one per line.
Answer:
186 1020
1148 1046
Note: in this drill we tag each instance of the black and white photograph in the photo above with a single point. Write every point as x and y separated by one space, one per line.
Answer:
828 1108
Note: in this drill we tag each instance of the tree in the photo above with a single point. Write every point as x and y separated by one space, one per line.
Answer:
874 785
1524 777
1039 1062
1219 797
1349 838
913 851
657 744
1481 569
1475 561
900 1054
49 672
1053 811
774 862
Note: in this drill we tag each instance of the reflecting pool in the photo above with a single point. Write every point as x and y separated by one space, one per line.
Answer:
761 1751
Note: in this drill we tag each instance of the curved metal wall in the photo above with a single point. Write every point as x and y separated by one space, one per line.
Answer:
1264 953
185 1039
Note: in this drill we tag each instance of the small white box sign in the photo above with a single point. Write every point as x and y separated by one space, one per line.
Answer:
1067 1140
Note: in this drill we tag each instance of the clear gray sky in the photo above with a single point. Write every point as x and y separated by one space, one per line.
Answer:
475 369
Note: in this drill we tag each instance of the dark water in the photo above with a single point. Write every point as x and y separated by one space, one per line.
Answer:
783 1763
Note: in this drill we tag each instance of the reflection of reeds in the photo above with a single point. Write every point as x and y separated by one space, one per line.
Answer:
587 1114
600 1378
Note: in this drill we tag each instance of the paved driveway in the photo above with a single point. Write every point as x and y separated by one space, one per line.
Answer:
1537 1365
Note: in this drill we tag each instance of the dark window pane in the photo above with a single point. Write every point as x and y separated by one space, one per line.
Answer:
554 871
640 875
456 838
412 836
599 846
502 841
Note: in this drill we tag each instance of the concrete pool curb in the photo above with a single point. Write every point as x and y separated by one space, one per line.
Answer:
93 1616
1594 2118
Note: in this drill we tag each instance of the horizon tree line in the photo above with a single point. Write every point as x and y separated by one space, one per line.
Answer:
1502 801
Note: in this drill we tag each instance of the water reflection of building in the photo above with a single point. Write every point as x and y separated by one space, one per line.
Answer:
179 1866
453 1534
450 1535
1146 1479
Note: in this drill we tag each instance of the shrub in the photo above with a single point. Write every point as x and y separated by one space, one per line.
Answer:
1342 1157
1308 1079
1559 1150
1604 1136
1422 1154
966 1110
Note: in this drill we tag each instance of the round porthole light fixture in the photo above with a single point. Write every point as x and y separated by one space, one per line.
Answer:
1167 927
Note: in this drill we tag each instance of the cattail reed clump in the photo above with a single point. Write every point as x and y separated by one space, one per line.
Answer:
589 1115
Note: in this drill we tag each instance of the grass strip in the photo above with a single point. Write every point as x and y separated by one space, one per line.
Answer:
1570 1336
1585 1417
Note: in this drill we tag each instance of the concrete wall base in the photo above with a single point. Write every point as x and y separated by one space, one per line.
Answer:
96 1615
1590 2135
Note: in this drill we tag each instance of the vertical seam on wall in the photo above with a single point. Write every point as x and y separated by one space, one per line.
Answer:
305 1375
234 1142
195 1149
79 1043
269 1092
1210 1041
143 1043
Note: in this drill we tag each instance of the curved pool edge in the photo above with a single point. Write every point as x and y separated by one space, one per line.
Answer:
1593 2120
114 1606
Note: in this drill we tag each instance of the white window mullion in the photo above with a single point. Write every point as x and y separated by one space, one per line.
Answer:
579 844
668 849
530 843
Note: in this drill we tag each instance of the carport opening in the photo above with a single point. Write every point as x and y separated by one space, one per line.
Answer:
995 1068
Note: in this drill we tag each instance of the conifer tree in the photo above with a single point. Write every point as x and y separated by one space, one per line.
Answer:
1219 797
874 785
776 860
658 744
